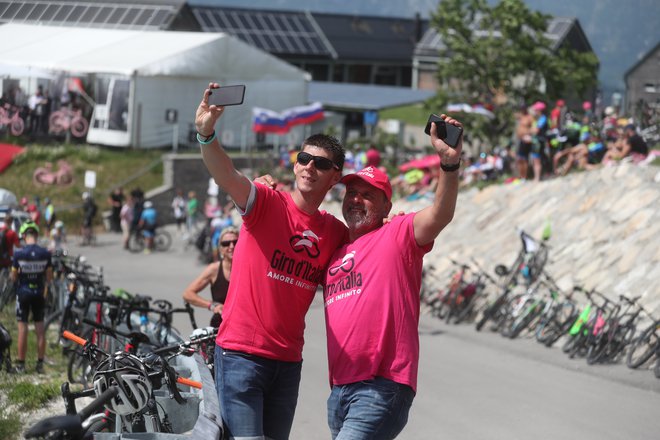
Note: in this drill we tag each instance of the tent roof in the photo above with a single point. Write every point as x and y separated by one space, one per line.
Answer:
364 96
146 53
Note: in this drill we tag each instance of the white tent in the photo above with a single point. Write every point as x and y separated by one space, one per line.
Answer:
140 75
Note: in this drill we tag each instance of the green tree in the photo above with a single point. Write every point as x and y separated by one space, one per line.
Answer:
499 56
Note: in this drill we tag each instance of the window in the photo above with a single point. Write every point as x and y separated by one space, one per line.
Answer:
650 88
119 106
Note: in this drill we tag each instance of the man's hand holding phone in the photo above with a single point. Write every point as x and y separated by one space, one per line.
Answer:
447 138
207 115
213 105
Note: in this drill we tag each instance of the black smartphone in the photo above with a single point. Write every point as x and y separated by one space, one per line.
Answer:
439 124
227 95
449 133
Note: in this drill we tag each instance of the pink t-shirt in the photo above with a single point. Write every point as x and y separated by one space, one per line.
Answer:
279 261
372 306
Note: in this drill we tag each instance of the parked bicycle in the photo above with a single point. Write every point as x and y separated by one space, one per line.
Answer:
618 332
525 270
10 116
65 119
645 347
560 313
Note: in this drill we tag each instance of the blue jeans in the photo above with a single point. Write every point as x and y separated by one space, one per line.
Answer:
257 396
370 409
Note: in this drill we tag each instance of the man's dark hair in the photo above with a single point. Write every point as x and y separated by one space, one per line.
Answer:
328 143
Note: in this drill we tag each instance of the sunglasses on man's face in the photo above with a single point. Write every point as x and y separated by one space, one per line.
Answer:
226 243
320 162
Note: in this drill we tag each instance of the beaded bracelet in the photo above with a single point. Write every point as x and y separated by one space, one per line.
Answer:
205 140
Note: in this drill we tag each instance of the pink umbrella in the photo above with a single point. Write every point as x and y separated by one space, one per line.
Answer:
430 161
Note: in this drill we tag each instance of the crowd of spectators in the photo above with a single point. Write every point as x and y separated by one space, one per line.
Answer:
546 142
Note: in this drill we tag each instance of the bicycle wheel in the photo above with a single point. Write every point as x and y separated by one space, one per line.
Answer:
136 243
56 123
596 346
80 369
162 241
6 289
620 340
79 127
103 424
491 311
484 318
468 307
527 322
17 127
53 317
643 347
511 311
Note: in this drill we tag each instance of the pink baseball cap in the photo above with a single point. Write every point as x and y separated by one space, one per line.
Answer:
539 105
374 177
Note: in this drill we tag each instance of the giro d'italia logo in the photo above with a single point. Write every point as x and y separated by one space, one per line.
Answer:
307 242
346 265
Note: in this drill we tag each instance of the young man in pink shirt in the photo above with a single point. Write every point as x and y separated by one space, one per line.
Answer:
280 258
372 300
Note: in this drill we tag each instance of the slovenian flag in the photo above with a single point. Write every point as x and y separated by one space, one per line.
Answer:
269 121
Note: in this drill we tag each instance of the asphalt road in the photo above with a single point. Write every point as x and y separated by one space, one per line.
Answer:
472 385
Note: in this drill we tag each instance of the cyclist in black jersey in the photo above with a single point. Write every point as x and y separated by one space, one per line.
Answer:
32 270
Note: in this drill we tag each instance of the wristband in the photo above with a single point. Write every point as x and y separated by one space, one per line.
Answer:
450 168
212 306
205 140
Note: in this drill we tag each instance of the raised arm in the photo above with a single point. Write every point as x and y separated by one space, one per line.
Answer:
431 220
215 158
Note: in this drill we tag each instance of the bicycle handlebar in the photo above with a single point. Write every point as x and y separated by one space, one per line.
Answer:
75 338
189 382
165 366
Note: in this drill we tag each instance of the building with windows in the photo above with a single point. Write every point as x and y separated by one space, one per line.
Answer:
643 88
562 32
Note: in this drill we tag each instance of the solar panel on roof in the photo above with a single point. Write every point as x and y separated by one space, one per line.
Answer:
49 13
76 13
36 12
276 32
11 11
23 11
85 13
143 17
89 13
117 15
159 17
63 12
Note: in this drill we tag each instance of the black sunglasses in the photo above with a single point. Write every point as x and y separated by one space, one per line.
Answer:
320 162
226 243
